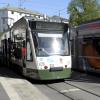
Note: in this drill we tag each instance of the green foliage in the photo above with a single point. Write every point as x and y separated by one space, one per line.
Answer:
83 10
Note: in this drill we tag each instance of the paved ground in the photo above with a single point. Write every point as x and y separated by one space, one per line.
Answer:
86 82
15 87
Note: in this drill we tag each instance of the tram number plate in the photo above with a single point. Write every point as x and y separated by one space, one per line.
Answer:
56 69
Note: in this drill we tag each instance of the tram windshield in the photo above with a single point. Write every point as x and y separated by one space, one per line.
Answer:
51 44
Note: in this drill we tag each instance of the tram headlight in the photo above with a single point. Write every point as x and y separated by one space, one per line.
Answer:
65 66
45 67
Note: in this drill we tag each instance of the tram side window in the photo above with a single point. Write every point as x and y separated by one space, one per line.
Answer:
29 52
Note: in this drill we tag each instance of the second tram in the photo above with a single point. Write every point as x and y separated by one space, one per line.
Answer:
86 47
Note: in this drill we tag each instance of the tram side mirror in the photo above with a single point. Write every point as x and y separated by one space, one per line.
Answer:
18 37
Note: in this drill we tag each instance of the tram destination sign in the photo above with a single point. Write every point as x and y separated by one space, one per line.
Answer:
40 25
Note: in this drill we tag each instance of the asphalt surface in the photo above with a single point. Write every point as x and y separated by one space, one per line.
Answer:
79 87
86 82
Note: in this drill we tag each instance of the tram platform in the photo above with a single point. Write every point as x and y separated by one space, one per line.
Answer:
3 94
14 87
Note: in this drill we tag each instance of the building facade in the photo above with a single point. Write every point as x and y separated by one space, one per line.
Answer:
9 15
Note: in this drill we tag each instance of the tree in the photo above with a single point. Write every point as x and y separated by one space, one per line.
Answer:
83 10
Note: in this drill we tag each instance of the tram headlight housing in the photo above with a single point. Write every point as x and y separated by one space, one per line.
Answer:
45 67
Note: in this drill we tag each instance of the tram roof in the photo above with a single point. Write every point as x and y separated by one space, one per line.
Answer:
23 23
89 28
50 19
90 25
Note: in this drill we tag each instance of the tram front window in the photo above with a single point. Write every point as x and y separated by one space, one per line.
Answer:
51 44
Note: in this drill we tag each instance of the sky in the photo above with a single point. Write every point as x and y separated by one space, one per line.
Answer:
49 7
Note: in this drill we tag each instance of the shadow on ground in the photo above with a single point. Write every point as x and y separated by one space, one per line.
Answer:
7 72
83 77
75 76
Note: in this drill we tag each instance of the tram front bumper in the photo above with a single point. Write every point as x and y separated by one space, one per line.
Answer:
53 75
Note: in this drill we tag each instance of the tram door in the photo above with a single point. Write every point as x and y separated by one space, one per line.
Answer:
78 57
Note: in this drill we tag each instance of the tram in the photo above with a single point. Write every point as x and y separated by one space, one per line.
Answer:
85 47
39 48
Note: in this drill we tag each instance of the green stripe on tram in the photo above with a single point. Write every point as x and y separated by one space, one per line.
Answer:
47 75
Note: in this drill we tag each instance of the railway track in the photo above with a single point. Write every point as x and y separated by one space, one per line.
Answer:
73 92
82 89
60 92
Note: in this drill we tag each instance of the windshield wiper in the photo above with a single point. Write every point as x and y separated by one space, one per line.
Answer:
43 50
